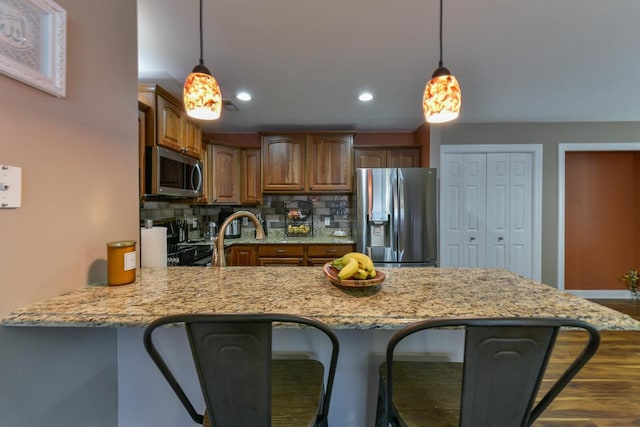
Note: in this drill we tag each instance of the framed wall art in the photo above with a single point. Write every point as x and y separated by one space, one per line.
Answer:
33 37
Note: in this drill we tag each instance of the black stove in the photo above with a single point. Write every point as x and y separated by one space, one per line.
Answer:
192 254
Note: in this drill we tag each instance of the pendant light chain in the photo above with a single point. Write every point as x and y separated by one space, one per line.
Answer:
201 51
440 63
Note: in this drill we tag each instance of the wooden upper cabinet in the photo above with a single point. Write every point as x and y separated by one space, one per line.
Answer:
307 163
169 124
330 161
403 158
225 174
250 187
283 163
365 158
192 139
172 128
387 157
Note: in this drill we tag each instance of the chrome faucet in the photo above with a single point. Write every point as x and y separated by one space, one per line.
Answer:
218 247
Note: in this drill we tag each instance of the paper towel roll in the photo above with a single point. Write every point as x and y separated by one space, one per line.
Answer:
153 247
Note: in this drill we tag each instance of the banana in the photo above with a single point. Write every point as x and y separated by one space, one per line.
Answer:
349 269
360 274
338 263
363 260
372 273
354 264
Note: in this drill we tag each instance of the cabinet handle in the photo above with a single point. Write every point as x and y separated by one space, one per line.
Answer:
471 239
281 251
311 187
500 239
330 251
302 187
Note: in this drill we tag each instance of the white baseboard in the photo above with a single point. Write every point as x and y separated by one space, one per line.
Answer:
601 294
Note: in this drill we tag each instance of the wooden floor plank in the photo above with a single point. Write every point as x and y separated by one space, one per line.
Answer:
606 393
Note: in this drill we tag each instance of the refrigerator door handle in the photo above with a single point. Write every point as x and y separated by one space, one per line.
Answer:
395 216
399 217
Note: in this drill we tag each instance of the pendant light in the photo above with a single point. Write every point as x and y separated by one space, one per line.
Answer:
442 97
202 96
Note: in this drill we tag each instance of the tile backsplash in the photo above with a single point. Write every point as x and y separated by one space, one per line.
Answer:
330 212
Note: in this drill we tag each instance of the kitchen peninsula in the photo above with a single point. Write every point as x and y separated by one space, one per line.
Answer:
363 319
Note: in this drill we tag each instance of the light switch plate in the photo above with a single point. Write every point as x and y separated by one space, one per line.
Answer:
10 187
327 221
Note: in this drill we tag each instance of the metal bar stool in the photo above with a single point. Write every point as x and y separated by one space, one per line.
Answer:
496 384
242 386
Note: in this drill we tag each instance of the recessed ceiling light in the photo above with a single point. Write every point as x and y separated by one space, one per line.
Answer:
244 96
365 96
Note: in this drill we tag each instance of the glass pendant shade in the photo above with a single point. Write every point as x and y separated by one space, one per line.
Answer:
202 96
442 97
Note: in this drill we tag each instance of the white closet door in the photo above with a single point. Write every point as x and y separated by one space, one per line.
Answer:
520 214
463 195
509 193
498 210
487 211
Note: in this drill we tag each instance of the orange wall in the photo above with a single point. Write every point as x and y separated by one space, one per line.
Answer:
421 137
602 223
237 139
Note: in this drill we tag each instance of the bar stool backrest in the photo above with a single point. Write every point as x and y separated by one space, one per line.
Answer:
232 355
504 363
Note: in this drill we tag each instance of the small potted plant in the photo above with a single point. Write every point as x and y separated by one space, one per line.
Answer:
632 279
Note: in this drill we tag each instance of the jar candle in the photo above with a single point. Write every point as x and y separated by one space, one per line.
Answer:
121 262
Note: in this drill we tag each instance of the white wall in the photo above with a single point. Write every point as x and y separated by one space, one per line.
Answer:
79 161
549 135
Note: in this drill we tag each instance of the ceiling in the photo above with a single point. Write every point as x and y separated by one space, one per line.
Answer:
305 62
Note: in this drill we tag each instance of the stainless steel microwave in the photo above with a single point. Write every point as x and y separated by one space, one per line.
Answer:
169 173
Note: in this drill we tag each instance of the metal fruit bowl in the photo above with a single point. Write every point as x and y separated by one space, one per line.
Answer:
332 275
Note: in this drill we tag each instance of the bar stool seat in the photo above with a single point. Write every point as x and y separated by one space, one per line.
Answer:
438 385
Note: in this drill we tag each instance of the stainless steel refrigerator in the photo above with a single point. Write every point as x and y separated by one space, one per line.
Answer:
396 211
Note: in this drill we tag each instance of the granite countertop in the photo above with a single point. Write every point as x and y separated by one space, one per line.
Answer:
407 295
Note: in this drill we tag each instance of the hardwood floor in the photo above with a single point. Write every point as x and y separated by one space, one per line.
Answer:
606 393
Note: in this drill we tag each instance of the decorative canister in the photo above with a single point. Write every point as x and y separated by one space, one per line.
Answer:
121 262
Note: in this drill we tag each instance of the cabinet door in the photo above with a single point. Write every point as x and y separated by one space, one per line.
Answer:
283 163
225 172
251 191
192 139
169 121
142 141
330 160
241 256
370 158
403 158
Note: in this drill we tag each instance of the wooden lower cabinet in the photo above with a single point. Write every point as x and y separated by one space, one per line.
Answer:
281 255
286 255
318 255
241 255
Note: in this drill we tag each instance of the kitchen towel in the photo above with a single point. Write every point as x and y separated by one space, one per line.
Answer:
153 247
